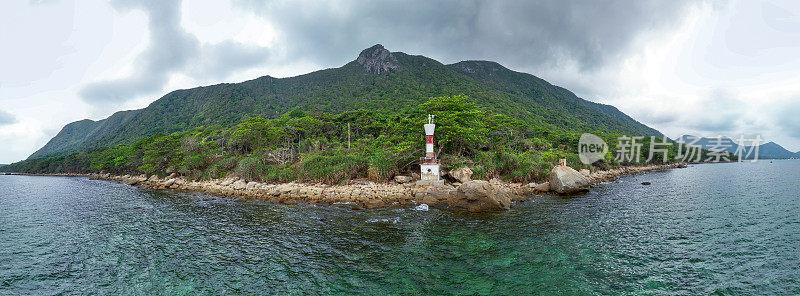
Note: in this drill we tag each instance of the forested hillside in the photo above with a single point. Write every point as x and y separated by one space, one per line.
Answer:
405 82
362 120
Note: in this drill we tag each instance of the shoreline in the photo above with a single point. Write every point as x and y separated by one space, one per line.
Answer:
364 194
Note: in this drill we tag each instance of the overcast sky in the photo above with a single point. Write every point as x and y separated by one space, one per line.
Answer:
695 67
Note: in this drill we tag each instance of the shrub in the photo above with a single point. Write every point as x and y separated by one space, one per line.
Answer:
250 168
228 163
333 169
194 161
382 166
279 174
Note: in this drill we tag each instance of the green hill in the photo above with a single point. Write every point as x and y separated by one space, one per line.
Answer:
376 80
361 120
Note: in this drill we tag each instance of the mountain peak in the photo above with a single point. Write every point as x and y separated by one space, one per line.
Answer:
377 60
483 67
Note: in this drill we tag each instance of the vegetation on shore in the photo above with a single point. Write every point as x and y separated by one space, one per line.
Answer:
313 146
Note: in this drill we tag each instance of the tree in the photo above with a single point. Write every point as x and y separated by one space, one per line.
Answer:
253 133
461 126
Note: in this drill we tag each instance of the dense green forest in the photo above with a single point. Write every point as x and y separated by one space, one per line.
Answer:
315 146
352 87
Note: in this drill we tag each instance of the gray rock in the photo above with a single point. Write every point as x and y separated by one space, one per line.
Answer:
131 180
429 183
402 179
432 194
239 185
463 175
565 180
227 182
479 196
540 187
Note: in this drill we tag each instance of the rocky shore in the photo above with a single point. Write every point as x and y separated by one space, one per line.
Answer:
472 195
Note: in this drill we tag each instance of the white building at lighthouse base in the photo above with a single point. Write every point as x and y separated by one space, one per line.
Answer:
429 172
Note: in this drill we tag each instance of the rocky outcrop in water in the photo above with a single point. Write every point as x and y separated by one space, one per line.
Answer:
472 195
480 196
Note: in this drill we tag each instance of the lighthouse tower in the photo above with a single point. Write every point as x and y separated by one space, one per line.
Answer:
429 165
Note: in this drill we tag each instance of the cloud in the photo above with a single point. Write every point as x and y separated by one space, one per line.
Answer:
7 118
786 117
222 59
171 50
522 33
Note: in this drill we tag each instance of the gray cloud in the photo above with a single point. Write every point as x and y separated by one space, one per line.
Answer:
222 59
723 113
786 117
171 50
7 118
520 33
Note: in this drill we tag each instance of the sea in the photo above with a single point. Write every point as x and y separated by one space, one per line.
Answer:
720 229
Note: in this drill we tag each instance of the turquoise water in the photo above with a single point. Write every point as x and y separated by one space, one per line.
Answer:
727 229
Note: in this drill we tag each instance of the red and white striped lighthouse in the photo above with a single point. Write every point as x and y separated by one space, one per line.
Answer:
429 165
429 129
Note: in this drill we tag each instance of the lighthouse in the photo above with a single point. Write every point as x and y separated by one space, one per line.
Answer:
429 165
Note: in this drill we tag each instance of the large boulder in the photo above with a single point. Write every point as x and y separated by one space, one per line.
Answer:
566 180
479 196
463 175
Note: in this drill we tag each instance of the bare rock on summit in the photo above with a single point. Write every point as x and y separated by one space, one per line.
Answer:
377 60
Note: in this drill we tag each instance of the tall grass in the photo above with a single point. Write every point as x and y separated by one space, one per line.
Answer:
530 166
333 169
381 166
